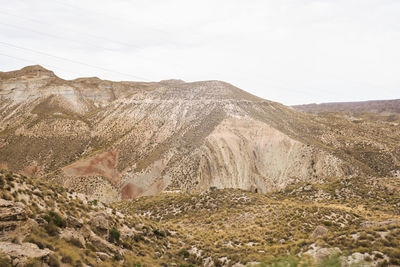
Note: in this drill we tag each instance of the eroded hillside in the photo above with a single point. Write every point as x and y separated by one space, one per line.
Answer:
121 140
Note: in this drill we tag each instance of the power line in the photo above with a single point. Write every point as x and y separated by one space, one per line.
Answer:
300 92
101 13
34 62
80 42
179 66
85 33
72 61
48 35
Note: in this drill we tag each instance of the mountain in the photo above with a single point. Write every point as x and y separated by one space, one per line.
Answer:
121 140
169 173
375 106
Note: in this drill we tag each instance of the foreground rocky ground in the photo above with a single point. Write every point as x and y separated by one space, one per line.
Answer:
340 222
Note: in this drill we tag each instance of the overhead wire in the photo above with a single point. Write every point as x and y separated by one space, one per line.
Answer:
72 61
103 38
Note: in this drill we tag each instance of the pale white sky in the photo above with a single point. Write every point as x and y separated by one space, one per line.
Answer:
293 52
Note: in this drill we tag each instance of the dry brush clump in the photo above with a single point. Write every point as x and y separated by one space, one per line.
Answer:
249 227
65 228
220 226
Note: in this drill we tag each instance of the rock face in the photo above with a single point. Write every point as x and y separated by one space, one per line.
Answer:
319 232
100 222
12 214
20 253
122 140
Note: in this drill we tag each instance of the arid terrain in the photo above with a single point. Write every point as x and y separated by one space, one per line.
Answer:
377 106
171 173
121 140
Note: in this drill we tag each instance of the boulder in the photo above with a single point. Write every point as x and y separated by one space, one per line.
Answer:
100 222
319 254
12 211
19 253
103 256
102 244
319 232
12 214
127 232
74 236
74 222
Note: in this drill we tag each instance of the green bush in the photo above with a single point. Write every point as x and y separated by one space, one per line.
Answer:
117 257
138 238
9 177
54 217
114 235
159 233
183 252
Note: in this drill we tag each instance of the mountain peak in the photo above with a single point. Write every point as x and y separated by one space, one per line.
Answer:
33 70
36 69
172 81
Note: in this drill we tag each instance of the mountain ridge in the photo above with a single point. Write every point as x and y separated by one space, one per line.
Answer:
113 140
371 106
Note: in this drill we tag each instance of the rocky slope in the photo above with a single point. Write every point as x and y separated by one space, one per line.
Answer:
46 225
121 140
341 222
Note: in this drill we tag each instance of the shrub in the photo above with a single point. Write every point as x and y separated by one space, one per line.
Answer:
54 261
138 238
183 252
35 239
76 242
2 182
9 177
51 228
66 259
118 257
6 196
159 233
54 217
114 235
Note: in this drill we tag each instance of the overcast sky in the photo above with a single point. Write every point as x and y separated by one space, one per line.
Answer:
293 52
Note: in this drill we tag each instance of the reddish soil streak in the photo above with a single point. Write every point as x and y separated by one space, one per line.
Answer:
3 166
103 164
31 171
131 191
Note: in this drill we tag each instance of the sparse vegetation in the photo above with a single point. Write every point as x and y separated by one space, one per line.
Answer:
358 211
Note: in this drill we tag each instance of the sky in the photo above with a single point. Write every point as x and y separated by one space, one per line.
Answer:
293 52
